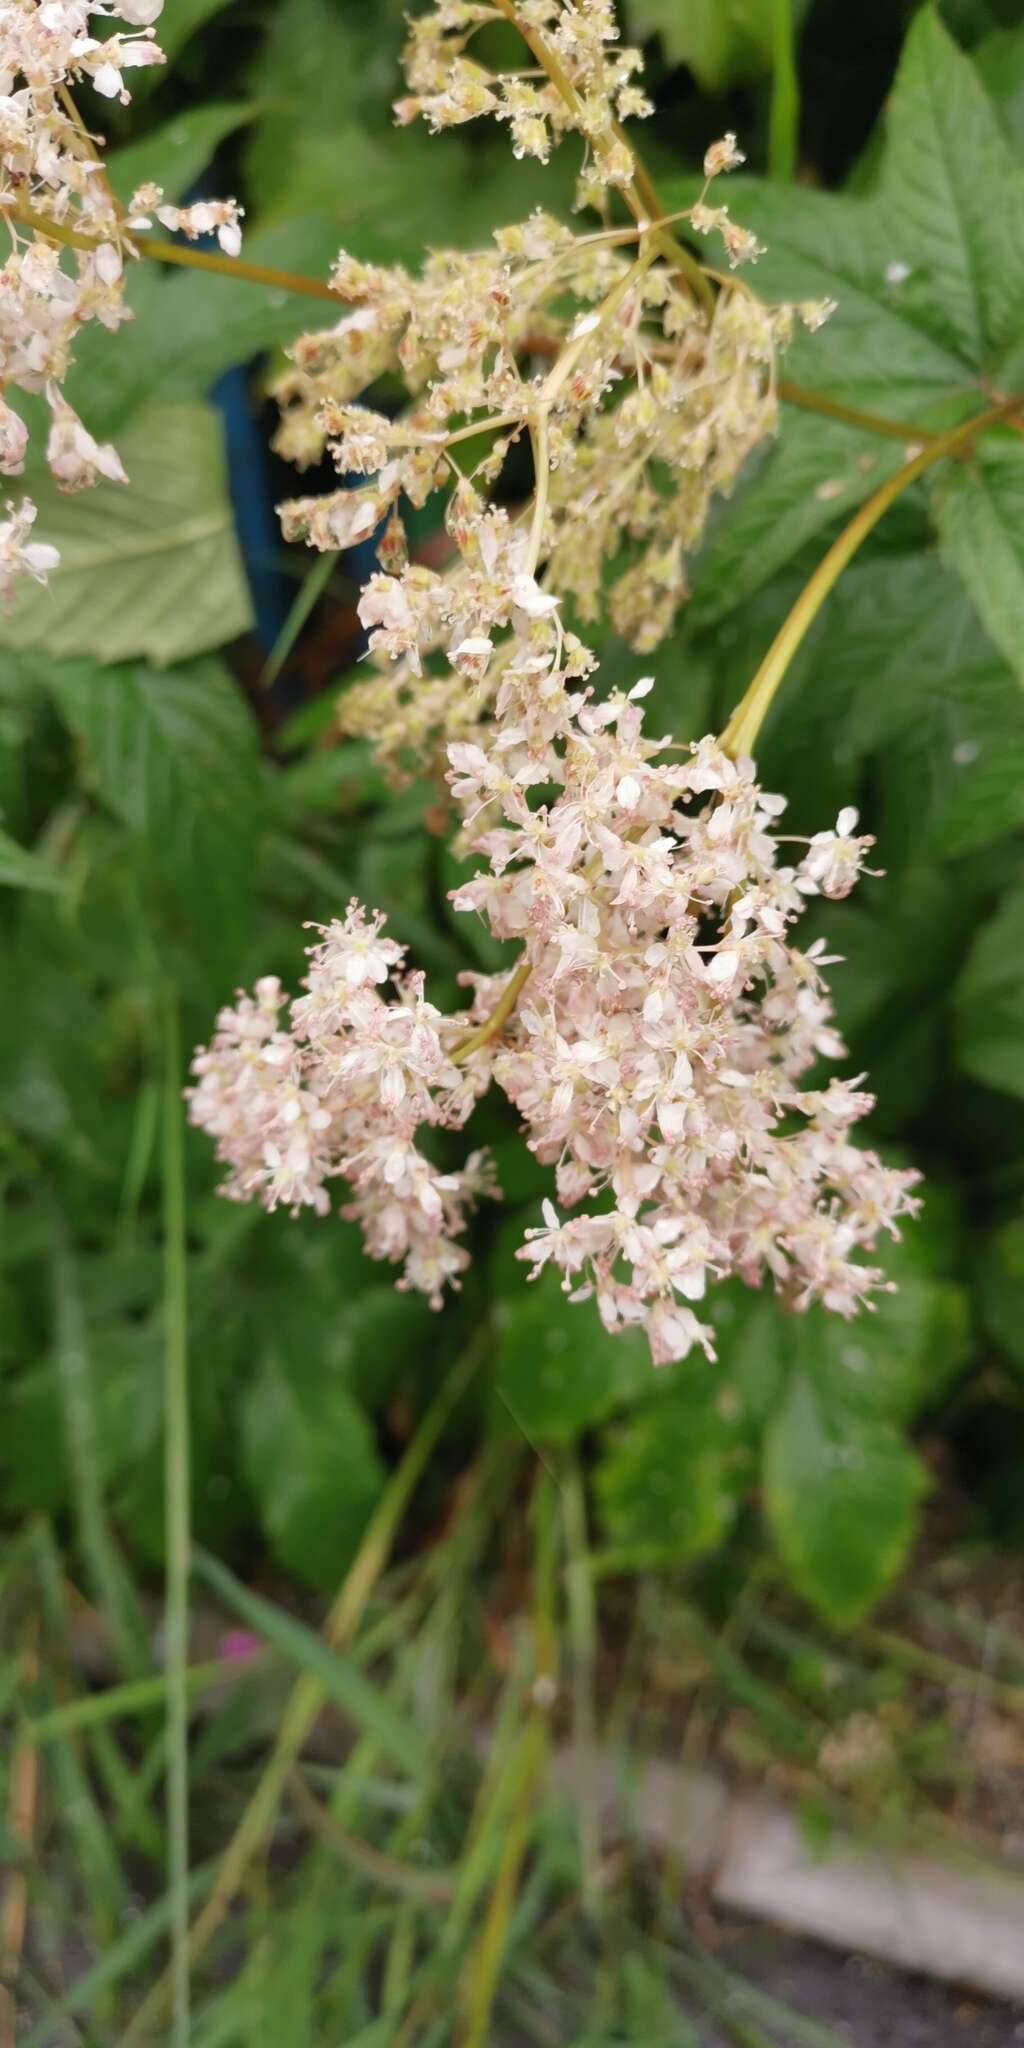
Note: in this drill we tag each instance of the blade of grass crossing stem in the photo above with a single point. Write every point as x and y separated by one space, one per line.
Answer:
104 1884
479 1980
314 583
308 1695
583 1638
109 1582
365 1704
176 1517
118 1960
138 1696
784 117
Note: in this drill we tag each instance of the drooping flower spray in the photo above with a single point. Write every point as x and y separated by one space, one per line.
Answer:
657 1033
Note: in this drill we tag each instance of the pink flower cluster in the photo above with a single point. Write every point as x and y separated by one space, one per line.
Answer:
343 1090
657 1056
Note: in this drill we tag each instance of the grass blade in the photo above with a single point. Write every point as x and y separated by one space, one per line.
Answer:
307 1696
110 1583
176 1517
339 1678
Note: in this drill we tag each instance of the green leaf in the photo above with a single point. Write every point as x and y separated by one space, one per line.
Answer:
670 1477
174 754
22 869
558 1371
898 672
981 526
173 156
990 1001
1001 1288
724 42
148 568
188 326
999 58
181 20
315 1475
841 1489
928 273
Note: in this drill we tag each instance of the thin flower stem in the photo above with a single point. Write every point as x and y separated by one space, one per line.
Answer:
498 1018
854 415
177 253
542 471
314 288
640 195
177 1520
741 732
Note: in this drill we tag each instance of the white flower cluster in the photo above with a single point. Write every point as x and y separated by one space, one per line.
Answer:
52 284
596 87
659 1032
657 1056
344 1090
649 411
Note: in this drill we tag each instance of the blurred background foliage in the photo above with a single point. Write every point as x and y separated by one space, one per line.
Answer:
175 805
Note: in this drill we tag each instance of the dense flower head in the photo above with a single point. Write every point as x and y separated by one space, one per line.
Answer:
660 1056
661 1035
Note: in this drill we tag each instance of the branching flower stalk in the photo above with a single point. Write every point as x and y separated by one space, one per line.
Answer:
657 1033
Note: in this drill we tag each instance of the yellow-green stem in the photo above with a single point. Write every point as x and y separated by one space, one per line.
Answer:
853 415
499 1016
177 253
176 1518
746 721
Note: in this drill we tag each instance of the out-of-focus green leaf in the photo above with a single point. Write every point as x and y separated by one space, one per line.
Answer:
189 326
897 672
1001 1288
173 156
22 869
180 20
794 487
928 275
669 1478
990 1001
173 752
558 1371
1000 61
840 1488
981 525
315 1476
724 42
150 567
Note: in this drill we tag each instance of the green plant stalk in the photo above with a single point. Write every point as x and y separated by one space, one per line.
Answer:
579 1586
479 1981
784 117
308 1694
741 732
313 584
139 1696
111 1586
176 1516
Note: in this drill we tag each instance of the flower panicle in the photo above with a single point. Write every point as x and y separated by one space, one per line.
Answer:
52 285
